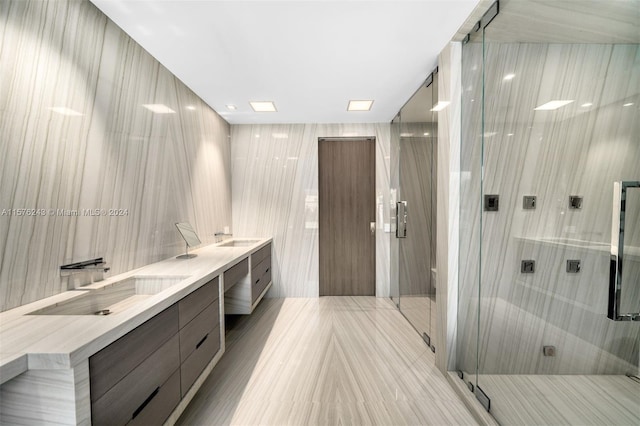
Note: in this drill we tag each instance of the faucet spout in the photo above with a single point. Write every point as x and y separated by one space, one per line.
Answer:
83 273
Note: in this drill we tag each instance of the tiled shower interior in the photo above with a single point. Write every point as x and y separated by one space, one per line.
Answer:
537 218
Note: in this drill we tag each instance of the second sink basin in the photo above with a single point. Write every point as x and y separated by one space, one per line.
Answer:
113 298
238 243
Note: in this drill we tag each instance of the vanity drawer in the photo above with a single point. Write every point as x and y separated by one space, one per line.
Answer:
111 364
259 255
261 268
118 405
196 362
160 403
194 303
259 285
235 274
192 335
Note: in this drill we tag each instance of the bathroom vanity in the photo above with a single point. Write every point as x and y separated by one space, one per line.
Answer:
142 362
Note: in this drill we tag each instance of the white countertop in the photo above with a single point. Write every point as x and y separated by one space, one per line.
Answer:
61 341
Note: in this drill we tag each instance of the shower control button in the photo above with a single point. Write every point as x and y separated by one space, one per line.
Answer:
575 201
529 202
573 266
491 202
528 266
549 350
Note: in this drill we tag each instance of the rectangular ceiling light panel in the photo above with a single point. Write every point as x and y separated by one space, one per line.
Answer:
263 106
359 105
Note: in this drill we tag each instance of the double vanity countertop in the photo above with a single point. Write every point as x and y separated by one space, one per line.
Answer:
52 342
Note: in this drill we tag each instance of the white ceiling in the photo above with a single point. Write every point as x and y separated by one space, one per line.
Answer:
309 57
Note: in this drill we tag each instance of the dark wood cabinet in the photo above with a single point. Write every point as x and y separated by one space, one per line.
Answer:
194 303
124 401
111 364
235 274
242 297
141 377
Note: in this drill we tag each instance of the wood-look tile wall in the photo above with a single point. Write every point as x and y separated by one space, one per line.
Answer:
111 177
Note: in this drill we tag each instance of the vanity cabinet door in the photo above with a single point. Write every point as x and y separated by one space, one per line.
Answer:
132 395
236 273
198 359
160 405
260 271
199 332
190 306
114 362
194 333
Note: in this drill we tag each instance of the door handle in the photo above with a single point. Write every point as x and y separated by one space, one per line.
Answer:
401 219
617 248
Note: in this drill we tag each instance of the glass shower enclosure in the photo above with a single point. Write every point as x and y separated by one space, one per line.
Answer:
414 136
549 284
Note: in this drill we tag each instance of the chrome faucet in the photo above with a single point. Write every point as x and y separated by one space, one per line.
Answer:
217 237
83 273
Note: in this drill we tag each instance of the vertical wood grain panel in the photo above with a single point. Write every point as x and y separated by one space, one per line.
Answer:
346 187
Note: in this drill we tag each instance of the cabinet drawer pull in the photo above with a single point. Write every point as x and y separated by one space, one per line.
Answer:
258 280
202 340
145 403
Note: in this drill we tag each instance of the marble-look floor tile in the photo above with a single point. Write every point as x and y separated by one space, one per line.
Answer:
563 400
332 360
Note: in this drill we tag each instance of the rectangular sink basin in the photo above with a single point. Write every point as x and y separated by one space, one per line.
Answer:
113 298
238 243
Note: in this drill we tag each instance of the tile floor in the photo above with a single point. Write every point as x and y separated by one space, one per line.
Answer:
328 361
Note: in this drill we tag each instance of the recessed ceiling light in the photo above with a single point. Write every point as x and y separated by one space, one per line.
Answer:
509 77
359 105
628 104
263 106
191 107
551 105
587 104
159 108
66 111
441 105
231 107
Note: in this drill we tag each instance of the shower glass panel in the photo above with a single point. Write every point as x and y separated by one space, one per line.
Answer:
416 247
394 243
550 122
627 226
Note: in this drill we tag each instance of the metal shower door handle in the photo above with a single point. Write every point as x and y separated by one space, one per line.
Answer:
617 248
401 219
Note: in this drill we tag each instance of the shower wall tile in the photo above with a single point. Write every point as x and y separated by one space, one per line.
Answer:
275 193
105 176
575 150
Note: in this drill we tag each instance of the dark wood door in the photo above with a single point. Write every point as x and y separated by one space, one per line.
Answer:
346 187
